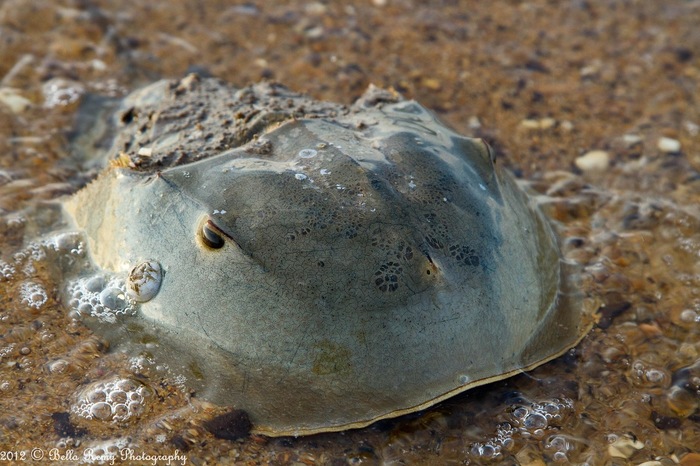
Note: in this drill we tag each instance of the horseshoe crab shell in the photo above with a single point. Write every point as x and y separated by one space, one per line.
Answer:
323 266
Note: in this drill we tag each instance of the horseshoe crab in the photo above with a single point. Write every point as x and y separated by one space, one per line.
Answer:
320 266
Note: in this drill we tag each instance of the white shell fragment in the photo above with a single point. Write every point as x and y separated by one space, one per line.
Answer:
593 161
669 145
144 281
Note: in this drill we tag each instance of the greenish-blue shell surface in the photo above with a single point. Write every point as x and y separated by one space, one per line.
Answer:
321 266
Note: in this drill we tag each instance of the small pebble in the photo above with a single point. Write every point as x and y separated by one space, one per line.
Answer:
691 459
669 145
546 123
528 456
631 139
624 447
665 422
650 330
543 123
530 124
566 125
432 84
14 100
593 161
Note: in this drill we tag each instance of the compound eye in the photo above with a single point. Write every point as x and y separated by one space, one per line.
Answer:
211 237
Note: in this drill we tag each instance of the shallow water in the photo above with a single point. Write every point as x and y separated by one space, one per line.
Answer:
614 76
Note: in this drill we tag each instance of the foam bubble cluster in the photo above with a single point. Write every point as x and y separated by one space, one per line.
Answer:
493 448
33 294
101 296
112 400
61 92
534 419
7 271
560 446
530 420
648 375
28 257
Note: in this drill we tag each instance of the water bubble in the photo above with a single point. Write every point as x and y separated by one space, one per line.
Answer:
655 376
101 411
560 446
135 407
300 176
104 451
508 443
535 421
82 308
558 442
116 396
324 171
504 436
127 385
121 412
95 284
97 396
57 366
520 412
113 298
484 451
646 375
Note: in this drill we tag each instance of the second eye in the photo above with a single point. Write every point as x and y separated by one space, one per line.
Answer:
210 237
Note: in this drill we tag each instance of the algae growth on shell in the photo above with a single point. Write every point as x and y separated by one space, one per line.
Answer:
317 265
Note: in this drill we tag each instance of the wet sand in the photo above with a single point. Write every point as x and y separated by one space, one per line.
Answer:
543 82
